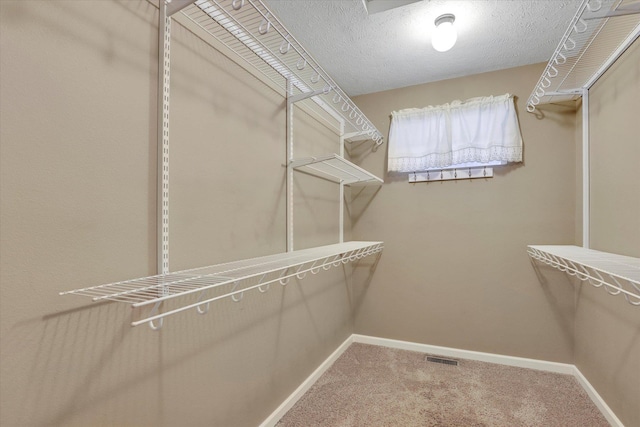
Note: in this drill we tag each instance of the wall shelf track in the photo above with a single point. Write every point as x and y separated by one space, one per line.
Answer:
252 32
598 34
335 168
618 274
196 288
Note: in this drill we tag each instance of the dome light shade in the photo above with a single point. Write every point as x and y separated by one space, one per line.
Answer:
445 34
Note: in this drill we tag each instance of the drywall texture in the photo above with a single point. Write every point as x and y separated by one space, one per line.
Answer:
607 343
78 186
455 270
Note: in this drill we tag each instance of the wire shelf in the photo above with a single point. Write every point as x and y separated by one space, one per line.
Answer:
230 280
598 34
335 168
618 274
251 31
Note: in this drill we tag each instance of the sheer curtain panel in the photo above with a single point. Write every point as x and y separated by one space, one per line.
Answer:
481 130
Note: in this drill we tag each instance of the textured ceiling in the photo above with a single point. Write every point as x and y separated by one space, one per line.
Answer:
370 53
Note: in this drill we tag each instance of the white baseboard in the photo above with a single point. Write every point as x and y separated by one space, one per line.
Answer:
275 416
521 362
597 400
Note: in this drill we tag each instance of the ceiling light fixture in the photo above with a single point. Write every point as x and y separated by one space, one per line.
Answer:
445 34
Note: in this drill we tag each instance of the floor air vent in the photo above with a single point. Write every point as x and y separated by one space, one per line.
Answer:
442 360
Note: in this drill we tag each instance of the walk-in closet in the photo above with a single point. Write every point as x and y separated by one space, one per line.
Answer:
314 213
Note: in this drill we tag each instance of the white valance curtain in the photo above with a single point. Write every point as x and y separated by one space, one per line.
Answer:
477 130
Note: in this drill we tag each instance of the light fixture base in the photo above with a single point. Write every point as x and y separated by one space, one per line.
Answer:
445 35
447 17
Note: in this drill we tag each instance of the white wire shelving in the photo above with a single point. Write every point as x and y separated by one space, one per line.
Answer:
198 287
250 30
335 168
598 34
618 274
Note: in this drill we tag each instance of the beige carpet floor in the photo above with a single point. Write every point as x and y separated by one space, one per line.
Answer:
376 386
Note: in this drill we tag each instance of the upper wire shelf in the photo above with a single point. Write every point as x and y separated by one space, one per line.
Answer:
618 274
335 168
201 286
250 30
598 34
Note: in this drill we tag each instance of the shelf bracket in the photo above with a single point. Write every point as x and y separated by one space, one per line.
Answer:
175 6
305 95
565 92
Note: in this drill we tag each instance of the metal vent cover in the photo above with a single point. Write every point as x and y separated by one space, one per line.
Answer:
441 360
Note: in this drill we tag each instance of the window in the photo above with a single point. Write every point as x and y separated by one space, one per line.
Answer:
477 132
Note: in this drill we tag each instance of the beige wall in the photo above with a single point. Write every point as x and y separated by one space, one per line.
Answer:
615 155
455 270
78 185
607 346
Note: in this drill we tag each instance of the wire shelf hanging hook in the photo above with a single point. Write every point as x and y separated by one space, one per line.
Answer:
300 275
580 275
265 26
284 281
236 297
315 78
336 98
315 270
301 64
154 310
326 266
628 297
267 285
338 260
206 305
573 44
560 55
599 2
285 46
555 71
345 106
582 29
237 4
616 289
